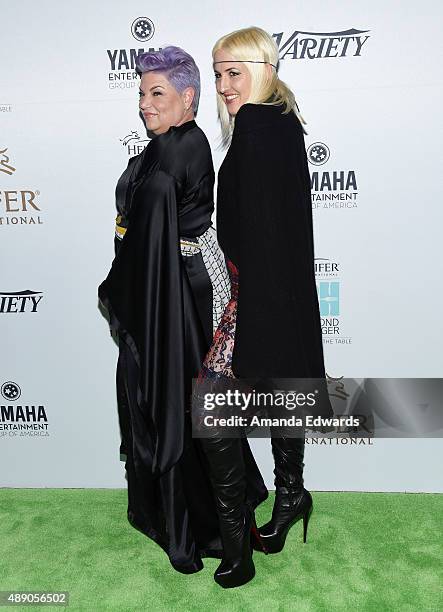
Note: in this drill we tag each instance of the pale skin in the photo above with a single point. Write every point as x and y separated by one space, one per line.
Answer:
232 80
161 105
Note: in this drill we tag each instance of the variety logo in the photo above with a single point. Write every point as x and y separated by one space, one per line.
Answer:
20 301
330 188
122 72
327 273
17 206
134 144
318 45
21 419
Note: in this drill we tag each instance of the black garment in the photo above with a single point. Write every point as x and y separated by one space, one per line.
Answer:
160 303
264 222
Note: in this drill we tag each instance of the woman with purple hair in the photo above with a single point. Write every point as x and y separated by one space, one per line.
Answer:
165 294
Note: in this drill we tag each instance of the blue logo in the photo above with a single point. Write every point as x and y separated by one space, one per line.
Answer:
329 298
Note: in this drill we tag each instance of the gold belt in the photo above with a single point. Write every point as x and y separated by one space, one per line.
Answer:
120 231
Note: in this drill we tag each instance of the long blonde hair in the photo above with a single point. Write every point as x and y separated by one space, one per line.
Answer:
266 88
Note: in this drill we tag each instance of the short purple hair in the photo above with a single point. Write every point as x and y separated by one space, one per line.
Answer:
178 66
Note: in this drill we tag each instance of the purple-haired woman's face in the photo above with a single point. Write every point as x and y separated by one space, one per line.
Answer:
161 104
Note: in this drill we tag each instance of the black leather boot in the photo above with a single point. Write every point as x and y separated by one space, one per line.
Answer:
292 500
227 473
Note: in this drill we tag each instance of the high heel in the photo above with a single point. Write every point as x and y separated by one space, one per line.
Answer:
288 509
292 500
256 540
237 567
306 518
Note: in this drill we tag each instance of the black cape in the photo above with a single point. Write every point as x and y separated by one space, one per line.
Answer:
160 305
264 223
144 290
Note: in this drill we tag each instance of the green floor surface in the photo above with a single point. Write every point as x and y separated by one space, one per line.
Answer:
365 551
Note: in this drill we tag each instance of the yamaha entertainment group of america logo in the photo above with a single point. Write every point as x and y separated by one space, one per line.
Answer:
327 276
19 420
122 62
17 206
330 188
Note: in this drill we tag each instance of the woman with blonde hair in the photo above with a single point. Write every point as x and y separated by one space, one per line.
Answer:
271 326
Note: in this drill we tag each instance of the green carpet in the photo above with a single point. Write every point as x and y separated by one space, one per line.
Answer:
365 551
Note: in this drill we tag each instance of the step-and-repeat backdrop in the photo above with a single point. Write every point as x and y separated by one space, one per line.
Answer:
368 83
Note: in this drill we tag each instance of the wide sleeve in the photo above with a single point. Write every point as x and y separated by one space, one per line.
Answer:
278 331
144 297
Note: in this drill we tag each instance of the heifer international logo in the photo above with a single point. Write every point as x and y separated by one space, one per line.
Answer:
326 268
19 420
319 45
17 206
134 144
5 166
20 301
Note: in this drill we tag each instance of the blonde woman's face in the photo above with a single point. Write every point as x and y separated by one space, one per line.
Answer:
232 81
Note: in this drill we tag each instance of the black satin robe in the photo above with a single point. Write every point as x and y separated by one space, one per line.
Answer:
160 303
264 225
